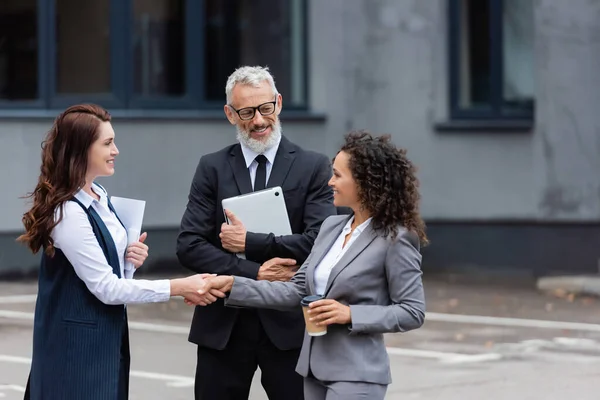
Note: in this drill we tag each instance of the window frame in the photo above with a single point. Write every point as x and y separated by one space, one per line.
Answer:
122 95
496 109
42 100
193 67
115 98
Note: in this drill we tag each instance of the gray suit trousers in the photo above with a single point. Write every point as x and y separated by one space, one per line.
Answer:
317 390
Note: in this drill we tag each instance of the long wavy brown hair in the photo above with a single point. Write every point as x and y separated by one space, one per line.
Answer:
63 172
387 183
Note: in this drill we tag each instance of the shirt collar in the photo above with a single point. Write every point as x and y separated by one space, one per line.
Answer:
87 200
250 155
359 229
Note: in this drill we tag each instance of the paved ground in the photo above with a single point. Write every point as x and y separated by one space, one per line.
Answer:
502 341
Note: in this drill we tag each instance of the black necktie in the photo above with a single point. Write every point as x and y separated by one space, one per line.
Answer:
260 181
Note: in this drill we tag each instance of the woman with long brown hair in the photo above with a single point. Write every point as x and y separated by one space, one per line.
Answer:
80 334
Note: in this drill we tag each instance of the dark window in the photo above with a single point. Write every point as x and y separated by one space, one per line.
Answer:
491 59
82 47
150 54
18 50
158 47
255 32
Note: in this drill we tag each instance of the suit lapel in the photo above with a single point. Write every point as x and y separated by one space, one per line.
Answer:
284 158
240 171
361 243
320 251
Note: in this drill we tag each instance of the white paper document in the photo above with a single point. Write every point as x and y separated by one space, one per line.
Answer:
131 214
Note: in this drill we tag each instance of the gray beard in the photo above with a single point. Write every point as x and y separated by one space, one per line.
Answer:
259 146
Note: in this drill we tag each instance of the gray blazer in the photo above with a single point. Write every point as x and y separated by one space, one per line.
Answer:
378 277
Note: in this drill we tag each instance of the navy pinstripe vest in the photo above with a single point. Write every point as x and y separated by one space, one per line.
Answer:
76 337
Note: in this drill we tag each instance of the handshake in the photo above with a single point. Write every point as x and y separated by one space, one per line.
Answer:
201 289
205 289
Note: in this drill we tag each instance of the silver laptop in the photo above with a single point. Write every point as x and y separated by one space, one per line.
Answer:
261 212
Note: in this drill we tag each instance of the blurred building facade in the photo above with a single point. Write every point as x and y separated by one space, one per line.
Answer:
495 100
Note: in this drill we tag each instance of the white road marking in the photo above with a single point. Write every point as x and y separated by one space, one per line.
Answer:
449 358
16 388
515 322
15 359
558 350
31 298
473 358
430 316
170 380
182 381
435 317
444 357
148 327
438 355
18 299
558 343
16 315
577 343
140 326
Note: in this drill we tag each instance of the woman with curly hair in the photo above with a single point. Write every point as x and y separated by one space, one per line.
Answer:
80 335
366 268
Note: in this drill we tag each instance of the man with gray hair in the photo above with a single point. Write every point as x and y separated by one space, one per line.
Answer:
232 342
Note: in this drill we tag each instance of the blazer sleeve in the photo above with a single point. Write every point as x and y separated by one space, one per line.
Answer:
195 250
407 309
281 296
319 205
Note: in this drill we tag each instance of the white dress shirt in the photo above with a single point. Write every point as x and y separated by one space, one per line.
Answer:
336 252
75 237
252 164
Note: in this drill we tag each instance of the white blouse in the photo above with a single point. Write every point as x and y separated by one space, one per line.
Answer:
75 237
335 253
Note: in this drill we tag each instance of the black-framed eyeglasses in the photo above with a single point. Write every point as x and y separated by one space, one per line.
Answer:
247 113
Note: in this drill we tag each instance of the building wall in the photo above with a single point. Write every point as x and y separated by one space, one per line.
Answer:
403 93
521 201
490 199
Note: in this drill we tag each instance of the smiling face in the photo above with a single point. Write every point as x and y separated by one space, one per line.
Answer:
261 132
102 153
345 189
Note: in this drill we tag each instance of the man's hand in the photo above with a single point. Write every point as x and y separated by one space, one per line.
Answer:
327 312
277 269
233 235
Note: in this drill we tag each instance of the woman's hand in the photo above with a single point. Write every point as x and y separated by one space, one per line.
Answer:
192 289
137 252
213 287
328 311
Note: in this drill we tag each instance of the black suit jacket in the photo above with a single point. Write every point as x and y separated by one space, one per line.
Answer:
303 176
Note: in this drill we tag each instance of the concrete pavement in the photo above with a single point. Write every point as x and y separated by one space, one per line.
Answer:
480 341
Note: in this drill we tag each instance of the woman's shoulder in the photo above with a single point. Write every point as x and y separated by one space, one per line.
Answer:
333 220
71 218
337 218
406 237
69 210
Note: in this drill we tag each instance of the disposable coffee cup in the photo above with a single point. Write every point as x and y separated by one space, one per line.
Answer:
311 328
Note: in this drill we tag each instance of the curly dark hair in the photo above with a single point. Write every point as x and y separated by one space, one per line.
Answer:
387 183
